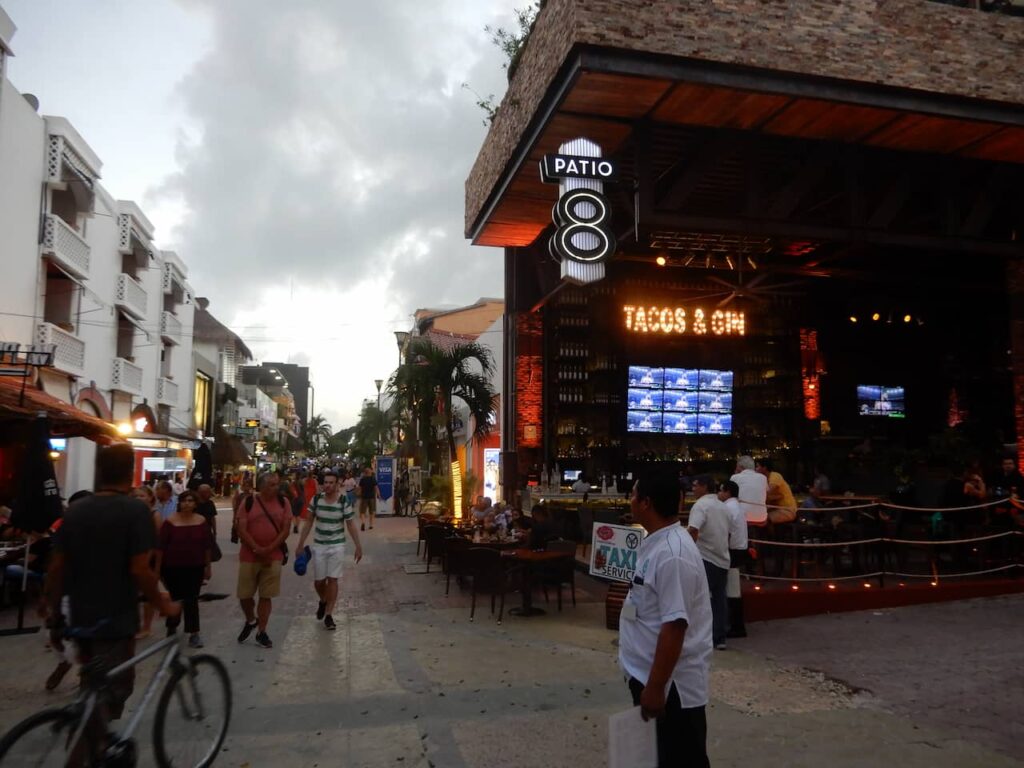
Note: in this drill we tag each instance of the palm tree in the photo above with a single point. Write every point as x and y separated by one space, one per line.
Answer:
315 432
433 377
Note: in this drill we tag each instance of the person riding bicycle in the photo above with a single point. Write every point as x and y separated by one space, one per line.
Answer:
101 561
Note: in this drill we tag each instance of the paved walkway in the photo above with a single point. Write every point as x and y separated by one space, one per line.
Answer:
407 680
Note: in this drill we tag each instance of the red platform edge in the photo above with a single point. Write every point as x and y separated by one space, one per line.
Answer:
782 602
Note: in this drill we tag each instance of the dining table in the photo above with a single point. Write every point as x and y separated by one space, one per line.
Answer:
531 560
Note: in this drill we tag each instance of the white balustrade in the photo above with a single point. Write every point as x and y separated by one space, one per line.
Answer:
125 376
69 350
170 328
131 296
166 392
65 246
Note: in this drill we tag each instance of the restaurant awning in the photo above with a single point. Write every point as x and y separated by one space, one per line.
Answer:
66 420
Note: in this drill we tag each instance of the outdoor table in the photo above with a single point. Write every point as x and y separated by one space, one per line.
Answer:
531 559
10 556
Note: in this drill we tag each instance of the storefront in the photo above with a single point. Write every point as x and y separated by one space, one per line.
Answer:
756 248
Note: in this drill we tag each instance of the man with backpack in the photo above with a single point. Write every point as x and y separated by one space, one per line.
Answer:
329 517
262 521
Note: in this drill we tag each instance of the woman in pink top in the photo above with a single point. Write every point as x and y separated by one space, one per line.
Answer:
183 560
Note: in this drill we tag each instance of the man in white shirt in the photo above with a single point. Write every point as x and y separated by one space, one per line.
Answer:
753 491
665 626
709 526
738 544
581 485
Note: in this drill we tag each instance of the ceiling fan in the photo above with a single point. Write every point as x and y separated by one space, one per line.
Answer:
755 289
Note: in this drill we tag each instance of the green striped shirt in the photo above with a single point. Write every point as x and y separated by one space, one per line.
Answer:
329 522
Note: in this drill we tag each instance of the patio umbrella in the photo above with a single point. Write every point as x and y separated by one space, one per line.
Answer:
202 468
38 504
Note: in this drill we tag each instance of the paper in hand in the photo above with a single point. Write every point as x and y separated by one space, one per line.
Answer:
632 743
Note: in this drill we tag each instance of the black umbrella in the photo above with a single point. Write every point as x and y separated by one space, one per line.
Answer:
37 505
202 467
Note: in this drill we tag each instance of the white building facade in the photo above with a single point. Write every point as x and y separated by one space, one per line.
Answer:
81 273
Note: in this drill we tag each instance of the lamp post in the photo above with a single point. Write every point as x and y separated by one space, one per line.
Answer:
378 382
401 337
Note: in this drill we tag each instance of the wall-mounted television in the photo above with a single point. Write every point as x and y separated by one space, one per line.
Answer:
679 401
876 400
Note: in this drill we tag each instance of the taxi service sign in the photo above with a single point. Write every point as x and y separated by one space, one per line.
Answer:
613 554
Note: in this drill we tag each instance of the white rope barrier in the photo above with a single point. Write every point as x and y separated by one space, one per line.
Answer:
940 576
839 506
861 576
858 542
876 574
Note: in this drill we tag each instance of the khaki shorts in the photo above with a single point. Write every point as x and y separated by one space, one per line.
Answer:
262 577
368 505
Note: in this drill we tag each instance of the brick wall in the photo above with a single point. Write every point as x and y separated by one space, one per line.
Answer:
912 44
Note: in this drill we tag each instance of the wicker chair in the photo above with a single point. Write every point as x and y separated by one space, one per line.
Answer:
456 560
433 539
561 572
491 573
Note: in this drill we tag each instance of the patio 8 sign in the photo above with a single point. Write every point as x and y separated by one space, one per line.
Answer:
613 555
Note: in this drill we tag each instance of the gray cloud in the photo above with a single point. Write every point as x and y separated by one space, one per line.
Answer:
332 141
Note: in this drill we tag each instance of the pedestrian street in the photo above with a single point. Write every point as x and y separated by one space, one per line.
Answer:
408 680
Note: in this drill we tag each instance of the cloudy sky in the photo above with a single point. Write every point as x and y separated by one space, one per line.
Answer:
306 159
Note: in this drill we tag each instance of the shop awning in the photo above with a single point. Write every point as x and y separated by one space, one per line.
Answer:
65 419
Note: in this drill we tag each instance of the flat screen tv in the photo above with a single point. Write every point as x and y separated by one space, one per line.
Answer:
570 475
679 401
876 400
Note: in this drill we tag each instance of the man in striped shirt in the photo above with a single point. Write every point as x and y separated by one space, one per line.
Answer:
329 517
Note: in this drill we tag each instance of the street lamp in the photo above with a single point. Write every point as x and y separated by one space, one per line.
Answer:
378 382
401 337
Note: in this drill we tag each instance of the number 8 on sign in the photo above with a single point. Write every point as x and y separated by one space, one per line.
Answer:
581 216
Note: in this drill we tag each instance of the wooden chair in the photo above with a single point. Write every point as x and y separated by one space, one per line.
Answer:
562 571
491 573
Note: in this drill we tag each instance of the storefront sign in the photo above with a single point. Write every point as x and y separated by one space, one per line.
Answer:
613 555
492 457
583 239
556 167
385 466
677 321
15 360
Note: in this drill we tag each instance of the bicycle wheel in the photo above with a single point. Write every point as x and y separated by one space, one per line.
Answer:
39 741
193 714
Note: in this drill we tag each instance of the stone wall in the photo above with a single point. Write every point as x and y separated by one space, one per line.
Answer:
913 44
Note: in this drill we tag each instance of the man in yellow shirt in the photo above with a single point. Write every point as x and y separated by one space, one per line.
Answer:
780 500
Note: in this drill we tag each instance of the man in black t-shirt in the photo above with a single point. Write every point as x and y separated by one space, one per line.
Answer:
368 495
207 508
101 561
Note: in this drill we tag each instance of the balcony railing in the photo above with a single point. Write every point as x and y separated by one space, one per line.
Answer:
166 392
66 247
125 376
170 328
131 296
69 350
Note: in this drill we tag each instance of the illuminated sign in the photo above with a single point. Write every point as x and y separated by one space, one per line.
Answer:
556 167
252 422
583 239
677 321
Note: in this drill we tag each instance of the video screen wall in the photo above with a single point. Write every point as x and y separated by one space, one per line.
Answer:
875 400
679 401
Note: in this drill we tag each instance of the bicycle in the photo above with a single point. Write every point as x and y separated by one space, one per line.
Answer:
62 736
